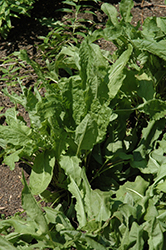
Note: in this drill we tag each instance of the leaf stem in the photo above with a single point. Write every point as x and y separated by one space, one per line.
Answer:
112 165
132 190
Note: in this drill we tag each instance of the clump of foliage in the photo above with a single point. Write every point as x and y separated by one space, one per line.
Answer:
98 136
12 8
72 29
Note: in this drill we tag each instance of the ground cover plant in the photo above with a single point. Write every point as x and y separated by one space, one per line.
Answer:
97 136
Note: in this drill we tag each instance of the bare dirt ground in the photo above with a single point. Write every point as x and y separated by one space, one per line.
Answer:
25 35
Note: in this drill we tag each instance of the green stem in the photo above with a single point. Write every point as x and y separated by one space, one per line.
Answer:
99 173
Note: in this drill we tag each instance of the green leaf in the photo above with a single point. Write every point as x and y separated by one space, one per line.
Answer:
23 55
136 236
146 88
12 158
17 134
42 172
93 72
72 168
110 34
155 240
97 202
101 114
126 214
5 244
115 146
11 116
153 47
73 56
80 208
161 175
26 99
21 226
124 241
161 23
125 7
15 98
149 135
153 165
150 28
49 107
31 207
93 243
151 132
161 187
111 12
55 216
116 74
155 108
73 101
86 134
151 211
137 188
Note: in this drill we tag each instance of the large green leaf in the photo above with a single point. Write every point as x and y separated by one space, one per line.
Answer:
136 237
42 172
160 178
94 72
5 244
97 203
154 107
155 240
153 47
28 100
112 33
11 116
55 216
151 132
93 243
161 23
80 208
111 12
101 114
72 59
72 168
146 88
21 226
31 207
133 239
50 107
136 189
125 7
86 134
116 74
150 28
17 134
73 100
149 135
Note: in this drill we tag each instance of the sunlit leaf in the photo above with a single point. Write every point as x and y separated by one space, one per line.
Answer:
42 172
32 209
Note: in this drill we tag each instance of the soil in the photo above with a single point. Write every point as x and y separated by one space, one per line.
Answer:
25 35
